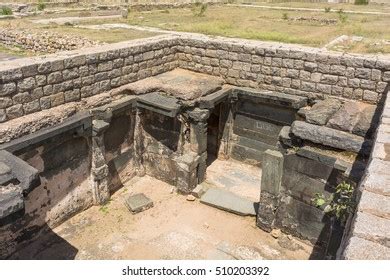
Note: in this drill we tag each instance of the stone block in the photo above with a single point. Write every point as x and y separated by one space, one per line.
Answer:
228 201
322 111
362 249
11 201
372 228
138 202
266 211
199 191
375 204
330 137
272 171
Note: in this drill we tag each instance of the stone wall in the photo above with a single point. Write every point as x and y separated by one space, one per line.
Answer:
368 234
31 85
311 72
160 140
64 165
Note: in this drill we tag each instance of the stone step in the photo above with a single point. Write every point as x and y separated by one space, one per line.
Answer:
228 201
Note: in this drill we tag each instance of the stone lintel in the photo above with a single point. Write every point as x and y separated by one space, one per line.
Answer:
271 97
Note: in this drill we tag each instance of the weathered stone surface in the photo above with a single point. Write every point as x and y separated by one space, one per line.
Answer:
372 228
199 191
11 201
375 204
138 202
179 83
228 201
349 115
272 171
329 137
322 111
4 169
365 122
362 249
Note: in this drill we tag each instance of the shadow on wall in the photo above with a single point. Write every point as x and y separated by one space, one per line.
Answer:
334 235
63 163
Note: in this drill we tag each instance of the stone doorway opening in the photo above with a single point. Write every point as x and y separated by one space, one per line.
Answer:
213 134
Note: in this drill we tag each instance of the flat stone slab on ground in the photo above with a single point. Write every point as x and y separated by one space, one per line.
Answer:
228 201
138 202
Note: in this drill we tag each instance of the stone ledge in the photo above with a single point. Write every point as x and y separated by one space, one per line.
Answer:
375 204
361 249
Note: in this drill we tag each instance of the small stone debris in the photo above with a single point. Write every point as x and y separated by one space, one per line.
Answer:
138 203
275 233
199 191
190 197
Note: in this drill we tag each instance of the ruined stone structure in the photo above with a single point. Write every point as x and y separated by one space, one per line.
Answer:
77 125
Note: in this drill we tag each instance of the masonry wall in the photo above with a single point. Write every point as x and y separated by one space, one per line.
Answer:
367 234
291 69
31 85
160 140
120 154
256 128
64 164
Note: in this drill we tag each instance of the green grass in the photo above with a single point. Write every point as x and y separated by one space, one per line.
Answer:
269 25
5 11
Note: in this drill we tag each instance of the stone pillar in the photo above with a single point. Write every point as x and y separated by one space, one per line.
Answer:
99 172
271 178
226 127
138 143
187 173
198 139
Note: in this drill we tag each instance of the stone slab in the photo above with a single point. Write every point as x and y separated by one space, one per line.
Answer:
178 83
27 175
372 228
79 122
362 249
10 202
157 102
330 137
209 101
138 202
322 111
272 97
375 204
228 201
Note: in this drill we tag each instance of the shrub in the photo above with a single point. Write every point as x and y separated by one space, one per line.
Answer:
361 2
340 204
342 16
198 9
285 16
41 5
5 11
327 9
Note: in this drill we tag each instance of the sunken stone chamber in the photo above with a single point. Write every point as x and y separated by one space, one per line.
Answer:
75 127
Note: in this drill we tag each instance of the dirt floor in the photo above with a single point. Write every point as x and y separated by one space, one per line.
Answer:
174 228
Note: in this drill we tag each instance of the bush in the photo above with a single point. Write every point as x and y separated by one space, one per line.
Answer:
41 5
285 16
361 2
198 9
327 9
5 11
342 16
